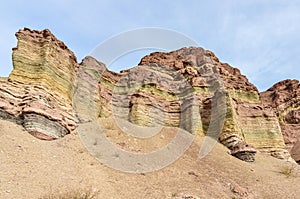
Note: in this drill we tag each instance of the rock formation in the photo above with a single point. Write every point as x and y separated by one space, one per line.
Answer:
49 93
38 93
284 99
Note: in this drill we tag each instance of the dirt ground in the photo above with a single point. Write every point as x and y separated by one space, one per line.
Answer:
32 168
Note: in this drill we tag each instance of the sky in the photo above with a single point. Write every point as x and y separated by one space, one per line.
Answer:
261 38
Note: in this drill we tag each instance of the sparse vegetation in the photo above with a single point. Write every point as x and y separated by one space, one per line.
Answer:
246 96
73 194
109 125
288 170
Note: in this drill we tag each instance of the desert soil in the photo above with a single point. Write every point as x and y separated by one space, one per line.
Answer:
32 168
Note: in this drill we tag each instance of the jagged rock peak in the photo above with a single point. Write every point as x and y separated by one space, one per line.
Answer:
43 36
93 63
197 56
288 85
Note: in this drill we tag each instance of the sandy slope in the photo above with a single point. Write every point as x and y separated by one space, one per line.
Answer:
31 168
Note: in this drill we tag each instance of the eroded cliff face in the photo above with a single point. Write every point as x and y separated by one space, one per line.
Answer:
246 119
49 93
284 99
38 93
180 89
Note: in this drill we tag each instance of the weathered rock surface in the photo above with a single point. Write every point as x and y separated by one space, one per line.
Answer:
246 118
86 98
178 89
188 88
38 93
284 99
243 151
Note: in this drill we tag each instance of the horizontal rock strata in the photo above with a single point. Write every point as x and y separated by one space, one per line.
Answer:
38 93
177 89
49 93
284 99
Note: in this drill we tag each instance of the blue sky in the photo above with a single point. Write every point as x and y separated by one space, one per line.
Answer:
261 38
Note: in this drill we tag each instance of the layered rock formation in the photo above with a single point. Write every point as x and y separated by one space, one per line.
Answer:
178 88
48 93
246 119
284 99
38 93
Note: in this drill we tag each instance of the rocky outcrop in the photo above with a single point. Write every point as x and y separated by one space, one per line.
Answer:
38 93
86 98
177 89
284 99
49 93
246 119
243 151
